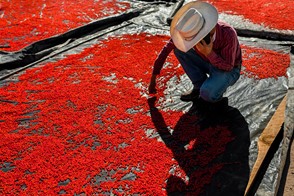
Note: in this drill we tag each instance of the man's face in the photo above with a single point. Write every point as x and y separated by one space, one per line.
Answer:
208 37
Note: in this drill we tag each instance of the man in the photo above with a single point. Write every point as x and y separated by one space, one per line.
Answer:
208 51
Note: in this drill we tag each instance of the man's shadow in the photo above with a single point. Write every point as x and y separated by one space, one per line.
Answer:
213 151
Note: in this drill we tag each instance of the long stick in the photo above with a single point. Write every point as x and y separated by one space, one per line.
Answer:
265 141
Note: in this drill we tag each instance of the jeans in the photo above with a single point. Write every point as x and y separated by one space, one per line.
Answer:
211 81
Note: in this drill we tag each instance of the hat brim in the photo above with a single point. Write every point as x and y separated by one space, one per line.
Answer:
210 16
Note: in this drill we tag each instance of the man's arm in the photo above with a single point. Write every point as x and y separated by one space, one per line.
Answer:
225 60
158 64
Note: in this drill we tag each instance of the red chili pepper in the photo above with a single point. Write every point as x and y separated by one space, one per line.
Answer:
97 128
24 22
262 12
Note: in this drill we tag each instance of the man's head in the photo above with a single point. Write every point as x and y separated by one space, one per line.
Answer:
192 23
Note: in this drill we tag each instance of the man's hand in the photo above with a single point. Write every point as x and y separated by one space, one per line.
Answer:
152 85
204 48
151 102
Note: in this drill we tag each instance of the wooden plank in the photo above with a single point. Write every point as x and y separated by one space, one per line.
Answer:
266 139
285 172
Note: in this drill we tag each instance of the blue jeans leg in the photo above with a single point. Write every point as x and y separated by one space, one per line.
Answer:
214 87
211 81
194 66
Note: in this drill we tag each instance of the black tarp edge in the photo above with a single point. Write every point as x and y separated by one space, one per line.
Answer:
61 49
44 47
264 34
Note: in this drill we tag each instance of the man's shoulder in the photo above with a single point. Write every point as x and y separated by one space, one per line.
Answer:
223 24
226 28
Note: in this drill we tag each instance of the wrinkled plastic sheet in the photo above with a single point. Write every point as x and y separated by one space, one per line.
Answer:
256 100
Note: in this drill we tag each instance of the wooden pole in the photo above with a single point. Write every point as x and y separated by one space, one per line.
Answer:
265 141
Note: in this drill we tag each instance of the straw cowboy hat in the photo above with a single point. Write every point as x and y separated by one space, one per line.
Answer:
192 23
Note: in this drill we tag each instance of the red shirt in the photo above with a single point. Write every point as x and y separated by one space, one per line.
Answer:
225 54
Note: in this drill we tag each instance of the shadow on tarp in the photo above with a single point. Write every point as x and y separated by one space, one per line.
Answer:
42 48
200 162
